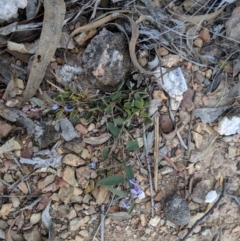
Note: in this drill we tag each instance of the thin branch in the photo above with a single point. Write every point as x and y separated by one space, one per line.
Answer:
156 152
210 211
149 169
102 222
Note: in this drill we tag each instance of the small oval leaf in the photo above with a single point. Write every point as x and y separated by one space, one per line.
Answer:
117 192
132 145
111 181
129 172
115 95
113 129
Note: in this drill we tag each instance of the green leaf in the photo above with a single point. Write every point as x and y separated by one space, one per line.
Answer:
120 85
146 104
117 192
74 116
59 113
111 181
148 121
128 112
135 110
113 129
138 104
37 101
105 153
131 208
118 121
137 96
132 145
129 172
115 95
47 97
128 105
88 115
144 114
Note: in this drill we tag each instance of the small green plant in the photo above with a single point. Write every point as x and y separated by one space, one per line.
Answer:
127 198
65 102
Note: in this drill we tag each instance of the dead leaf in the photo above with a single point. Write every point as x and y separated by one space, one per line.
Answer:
54 14
33 235
14 114
198 138
47 221
5 210
97 140
10 145
23 187
209 115
233 26
29 48
234 92
8 234
119 215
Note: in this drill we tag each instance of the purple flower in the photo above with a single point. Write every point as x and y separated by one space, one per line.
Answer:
137 192
93 165
68 108
134 182
125 204
55 106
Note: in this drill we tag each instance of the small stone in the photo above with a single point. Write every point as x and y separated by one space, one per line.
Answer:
198 42
158 197
68 175
86 219
176 210
102 194
208 73
200 191
232 151
8 178
46 181
73 160
90 186
205 35
81 129
87 198
5 129
85 153
77 191
75 224
35 218
83 175
170 60
65 194
76 145
154 221
78 238
163 51
91 127
84 233
143 219
72 214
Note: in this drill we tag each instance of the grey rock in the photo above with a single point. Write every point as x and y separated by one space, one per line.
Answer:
106 60
176 210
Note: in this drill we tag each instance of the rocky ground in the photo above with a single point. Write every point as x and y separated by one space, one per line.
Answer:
126 128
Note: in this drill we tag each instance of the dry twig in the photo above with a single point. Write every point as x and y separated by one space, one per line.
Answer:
210 211
156 152
149 169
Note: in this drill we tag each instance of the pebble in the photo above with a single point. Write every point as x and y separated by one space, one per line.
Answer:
143 219
198 42
176 210
154 221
